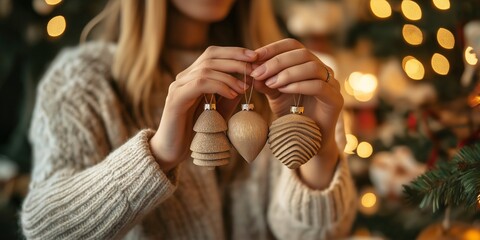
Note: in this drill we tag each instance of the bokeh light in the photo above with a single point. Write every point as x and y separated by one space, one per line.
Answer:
405 60
412 34
445 38
442 4
364 150
364 83
56 26
348 87
411 10
413 68
470 56
352 143
471 234
361 86
381 8
53 2
369 200
440 64
363 97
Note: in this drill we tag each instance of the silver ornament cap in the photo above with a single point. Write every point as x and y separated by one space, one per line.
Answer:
248 107
297 110
210 106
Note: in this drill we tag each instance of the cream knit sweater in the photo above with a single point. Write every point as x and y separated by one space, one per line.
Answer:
94 176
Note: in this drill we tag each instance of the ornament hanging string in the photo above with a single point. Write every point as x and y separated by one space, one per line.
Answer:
295 100
249 98
212 98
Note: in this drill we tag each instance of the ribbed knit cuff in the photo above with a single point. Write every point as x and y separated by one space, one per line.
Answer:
317 207
138 175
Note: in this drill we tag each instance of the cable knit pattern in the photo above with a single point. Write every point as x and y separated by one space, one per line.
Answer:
311 209
94 176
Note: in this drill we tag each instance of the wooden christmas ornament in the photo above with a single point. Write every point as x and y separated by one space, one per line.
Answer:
210 146
294 138
247 132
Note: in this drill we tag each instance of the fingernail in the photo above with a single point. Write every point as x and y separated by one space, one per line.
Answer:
250 53
258 71
241 84
262 53
271 81
233 93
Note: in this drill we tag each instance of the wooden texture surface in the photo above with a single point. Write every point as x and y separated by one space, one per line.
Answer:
294 139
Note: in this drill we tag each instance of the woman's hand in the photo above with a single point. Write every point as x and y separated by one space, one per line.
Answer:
209 74
286 69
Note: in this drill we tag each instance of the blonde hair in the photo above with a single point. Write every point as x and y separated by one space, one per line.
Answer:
139 28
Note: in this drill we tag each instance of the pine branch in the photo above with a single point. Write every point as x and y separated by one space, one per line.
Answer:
456 183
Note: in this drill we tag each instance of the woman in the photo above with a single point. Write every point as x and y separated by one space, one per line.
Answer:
113 124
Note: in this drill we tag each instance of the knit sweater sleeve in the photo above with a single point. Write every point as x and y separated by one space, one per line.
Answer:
298 212
80 188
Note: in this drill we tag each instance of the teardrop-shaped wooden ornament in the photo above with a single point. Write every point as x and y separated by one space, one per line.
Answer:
247 132
210 146
294 138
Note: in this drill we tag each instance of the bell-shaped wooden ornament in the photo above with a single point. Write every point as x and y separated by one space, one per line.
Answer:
247 132
210 146
294 138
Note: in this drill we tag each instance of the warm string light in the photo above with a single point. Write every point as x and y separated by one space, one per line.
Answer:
364 150
442 4
471 234
368 201
413 68
411 10
412 34
445 38
352 143
470 56
361 86
381 8
440 64
56 26
53 2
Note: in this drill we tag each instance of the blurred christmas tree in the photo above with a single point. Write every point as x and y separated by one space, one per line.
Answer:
402 65
416 115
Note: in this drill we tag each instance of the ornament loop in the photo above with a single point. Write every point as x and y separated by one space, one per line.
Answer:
212 98
247 107
296 110
210 106
296 104
249 98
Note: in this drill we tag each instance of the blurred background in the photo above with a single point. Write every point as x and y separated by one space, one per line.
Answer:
408 71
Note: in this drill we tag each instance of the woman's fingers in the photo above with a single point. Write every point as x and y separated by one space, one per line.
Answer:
273 49
205 75
213 65
296 73
197 88
282 61
235 53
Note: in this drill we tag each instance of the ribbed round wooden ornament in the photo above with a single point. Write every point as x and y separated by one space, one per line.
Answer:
247 132
294 138
210 146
